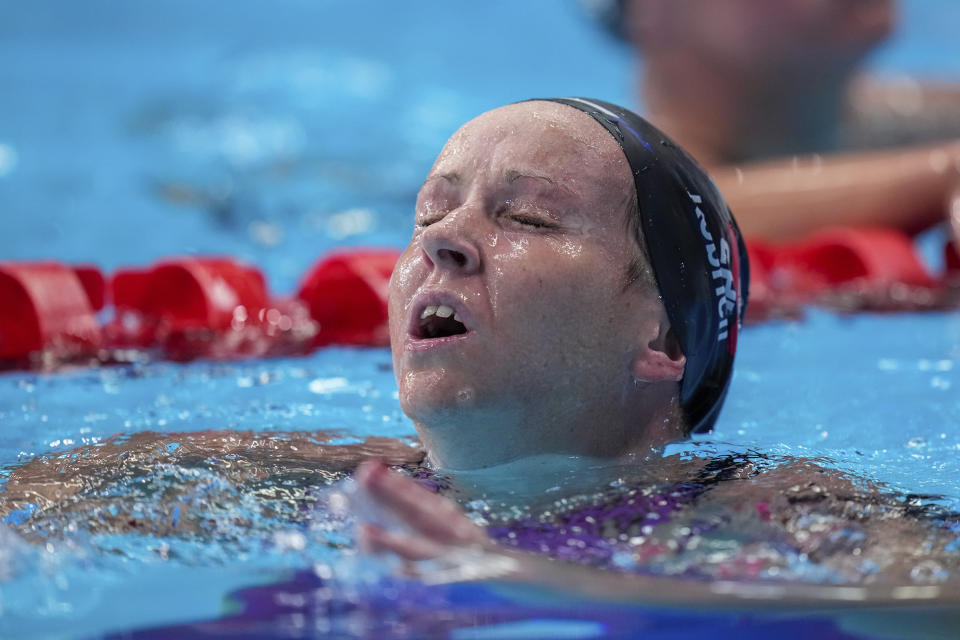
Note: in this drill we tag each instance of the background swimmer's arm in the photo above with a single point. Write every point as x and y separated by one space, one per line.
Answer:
907 189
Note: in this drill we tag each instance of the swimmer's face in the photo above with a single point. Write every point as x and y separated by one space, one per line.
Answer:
512 297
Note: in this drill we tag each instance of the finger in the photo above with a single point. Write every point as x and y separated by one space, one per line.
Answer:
431 515
375 540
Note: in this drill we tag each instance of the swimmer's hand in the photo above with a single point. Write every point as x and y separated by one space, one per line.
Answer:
432 526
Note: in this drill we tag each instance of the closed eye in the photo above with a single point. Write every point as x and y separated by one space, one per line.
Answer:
429 216
529 221
425 222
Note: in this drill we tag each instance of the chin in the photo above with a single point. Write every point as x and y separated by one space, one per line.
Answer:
429 396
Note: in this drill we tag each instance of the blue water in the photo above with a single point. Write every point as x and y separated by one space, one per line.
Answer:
276 131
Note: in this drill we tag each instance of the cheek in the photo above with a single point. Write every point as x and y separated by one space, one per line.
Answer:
513 246
571 250
403 280
547 293
403 285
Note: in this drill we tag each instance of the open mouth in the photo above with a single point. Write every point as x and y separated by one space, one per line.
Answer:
438 321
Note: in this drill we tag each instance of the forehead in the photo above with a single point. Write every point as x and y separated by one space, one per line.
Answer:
540 138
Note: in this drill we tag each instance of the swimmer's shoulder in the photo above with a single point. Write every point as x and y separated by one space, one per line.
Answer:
705 470
789 481
774 486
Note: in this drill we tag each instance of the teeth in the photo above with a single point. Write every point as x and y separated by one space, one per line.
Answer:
441 311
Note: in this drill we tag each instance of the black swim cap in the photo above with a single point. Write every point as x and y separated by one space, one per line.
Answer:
697 254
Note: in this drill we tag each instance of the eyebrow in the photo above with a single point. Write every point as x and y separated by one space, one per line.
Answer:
452 178
511 176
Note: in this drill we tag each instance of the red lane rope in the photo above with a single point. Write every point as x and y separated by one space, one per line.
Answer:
188 307
218 307
848 269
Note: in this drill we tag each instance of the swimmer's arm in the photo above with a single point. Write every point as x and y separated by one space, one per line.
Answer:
290 451
51 478
840 521
242 456
908 189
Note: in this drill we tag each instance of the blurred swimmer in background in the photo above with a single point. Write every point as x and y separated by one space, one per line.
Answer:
771 98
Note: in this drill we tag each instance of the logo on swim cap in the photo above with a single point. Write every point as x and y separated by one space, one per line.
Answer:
722 272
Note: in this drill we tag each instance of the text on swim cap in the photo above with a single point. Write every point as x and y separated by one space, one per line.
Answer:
726 292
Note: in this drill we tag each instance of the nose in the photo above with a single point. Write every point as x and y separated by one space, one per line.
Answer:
448 244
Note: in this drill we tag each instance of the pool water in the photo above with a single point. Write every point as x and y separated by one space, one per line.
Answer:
274 132
222 534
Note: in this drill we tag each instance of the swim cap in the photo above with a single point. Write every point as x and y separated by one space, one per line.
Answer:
696 252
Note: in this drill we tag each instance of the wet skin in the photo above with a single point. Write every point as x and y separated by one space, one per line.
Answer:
521 230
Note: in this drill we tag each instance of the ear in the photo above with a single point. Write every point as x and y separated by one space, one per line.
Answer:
661 359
